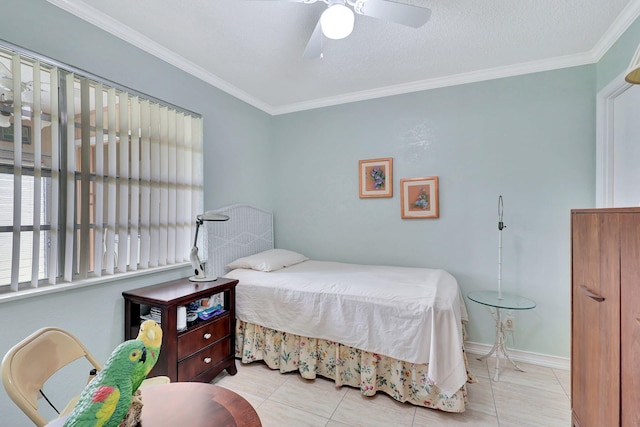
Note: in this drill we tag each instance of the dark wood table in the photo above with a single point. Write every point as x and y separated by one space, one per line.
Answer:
192 404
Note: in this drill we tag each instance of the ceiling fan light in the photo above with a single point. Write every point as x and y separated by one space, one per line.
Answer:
4 121
337 21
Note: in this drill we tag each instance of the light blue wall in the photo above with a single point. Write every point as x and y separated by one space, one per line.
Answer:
236 148
529 138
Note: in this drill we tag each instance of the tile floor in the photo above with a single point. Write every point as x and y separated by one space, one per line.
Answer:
537 398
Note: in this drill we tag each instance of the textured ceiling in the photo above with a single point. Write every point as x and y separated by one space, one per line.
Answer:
253 48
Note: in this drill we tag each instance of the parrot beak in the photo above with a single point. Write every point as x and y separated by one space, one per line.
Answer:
143 358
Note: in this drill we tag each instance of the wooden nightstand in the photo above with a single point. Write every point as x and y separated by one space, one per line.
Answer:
201 351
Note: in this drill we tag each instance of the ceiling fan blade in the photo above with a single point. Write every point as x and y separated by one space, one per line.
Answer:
6 84
314 46
5 72
405 14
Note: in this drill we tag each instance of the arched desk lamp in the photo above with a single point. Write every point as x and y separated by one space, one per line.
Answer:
195 259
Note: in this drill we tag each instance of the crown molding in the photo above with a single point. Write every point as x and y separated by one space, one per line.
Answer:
627 17
95 17
441 82
110 25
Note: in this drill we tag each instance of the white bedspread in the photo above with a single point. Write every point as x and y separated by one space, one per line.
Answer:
411 314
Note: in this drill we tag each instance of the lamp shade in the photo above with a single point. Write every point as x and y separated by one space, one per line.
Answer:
633 72
337 21
212 216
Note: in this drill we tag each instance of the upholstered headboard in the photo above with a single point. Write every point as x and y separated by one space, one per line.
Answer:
248 231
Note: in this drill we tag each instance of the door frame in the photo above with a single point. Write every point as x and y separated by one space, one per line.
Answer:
605 139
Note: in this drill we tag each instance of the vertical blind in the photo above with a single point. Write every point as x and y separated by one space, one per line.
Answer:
95 179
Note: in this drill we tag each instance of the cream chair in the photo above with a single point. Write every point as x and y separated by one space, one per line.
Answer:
31 362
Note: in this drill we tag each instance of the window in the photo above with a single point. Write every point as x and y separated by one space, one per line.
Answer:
95 179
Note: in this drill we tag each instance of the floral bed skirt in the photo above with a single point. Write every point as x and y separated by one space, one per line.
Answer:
404 381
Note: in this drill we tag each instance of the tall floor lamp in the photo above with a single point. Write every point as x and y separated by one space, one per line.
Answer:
195 259
500 227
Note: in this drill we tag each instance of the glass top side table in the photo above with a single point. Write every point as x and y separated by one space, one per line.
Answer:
507 302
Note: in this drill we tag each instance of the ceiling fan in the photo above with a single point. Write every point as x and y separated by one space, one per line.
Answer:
7 97
337 21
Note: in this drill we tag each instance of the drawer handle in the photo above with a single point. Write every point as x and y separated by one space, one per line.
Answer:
591 295
207 360
207 336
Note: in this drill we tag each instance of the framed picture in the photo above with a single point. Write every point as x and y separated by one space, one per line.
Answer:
419 197
376 177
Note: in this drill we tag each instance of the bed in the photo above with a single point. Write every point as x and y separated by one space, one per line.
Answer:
396 330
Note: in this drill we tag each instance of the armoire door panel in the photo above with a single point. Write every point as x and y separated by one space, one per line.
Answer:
630 318
595 319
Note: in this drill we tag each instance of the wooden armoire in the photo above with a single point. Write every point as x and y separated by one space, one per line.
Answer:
605 317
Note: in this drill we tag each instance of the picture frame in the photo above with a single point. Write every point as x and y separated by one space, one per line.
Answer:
419 197
376 177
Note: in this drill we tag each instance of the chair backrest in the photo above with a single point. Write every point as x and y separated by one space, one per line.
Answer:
31 362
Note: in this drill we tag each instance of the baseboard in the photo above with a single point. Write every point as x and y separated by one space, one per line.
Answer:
523 356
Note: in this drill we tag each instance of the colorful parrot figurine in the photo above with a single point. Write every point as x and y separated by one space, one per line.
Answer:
151 335
106 399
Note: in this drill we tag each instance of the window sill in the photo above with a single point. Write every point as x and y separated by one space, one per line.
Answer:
94 281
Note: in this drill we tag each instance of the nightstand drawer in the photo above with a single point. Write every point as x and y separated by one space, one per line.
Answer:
203 360
202 336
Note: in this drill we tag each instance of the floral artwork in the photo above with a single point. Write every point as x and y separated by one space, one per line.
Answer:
422 202
419 197
375 177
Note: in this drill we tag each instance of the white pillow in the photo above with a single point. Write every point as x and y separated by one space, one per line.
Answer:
269 260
